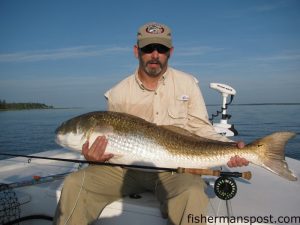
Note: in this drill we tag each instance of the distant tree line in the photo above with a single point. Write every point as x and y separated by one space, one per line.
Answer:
18 106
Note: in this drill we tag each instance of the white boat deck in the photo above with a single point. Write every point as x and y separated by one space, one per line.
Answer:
265 196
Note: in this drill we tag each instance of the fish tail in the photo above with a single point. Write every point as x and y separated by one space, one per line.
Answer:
273 157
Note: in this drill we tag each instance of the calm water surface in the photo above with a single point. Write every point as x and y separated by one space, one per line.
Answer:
32 131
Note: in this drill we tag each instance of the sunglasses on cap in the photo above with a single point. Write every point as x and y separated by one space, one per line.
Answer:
152 47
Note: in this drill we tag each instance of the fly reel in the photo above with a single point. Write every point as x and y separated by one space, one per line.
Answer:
225 188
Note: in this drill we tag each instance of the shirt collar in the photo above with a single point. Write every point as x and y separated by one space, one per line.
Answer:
161 81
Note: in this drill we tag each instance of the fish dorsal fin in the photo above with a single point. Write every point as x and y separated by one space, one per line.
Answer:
178 130
189 134
184 132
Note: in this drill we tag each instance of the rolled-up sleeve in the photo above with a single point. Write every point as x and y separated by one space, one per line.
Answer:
198 122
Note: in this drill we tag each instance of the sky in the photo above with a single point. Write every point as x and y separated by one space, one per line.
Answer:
68 53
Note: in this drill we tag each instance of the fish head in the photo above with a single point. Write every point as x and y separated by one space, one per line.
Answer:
72 139
73 133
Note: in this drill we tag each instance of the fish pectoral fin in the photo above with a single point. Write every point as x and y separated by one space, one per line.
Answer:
117 158
97 131
105 130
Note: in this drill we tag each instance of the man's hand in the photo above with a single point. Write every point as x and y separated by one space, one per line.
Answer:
236 160
97 151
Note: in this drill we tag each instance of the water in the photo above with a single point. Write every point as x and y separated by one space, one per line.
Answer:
256 121
32 131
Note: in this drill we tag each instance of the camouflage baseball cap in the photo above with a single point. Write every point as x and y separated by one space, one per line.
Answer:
151 33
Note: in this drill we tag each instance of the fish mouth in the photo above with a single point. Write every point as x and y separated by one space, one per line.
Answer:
58 140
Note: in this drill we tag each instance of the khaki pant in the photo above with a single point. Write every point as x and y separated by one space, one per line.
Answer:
88 191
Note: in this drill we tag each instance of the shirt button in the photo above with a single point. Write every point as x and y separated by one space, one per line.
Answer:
157 113
155 93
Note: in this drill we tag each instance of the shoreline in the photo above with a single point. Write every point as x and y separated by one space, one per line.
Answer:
16 109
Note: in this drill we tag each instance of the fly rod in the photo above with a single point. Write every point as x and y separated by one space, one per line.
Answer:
246 175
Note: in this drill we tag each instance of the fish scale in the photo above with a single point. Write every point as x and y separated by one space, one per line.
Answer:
135 141
134 146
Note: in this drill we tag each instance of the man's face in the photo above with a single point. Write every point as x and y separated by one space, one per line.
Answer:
154 59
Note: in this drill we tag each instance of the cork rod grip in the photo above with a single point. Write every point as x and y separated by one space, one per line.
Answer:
246 175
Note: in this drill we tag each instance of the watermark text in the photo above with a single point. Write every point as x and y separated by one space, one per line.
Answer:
198 219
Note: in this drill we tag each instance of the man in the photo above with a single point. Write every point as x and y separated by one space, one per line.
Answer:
159 94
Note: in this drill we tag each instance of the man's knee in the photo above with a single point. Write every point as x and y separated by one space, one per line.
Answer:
73 180
197 189
195 184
